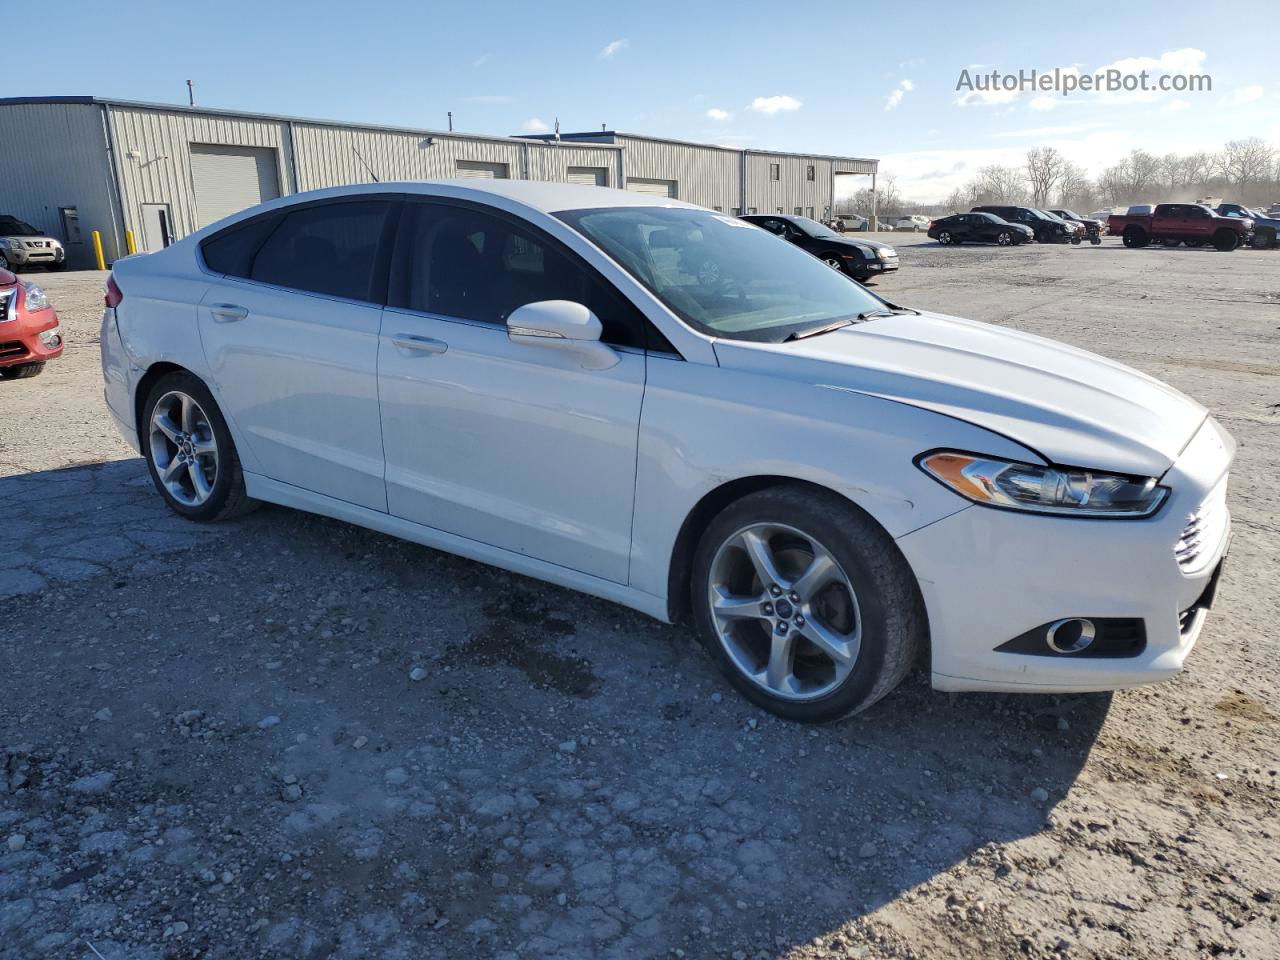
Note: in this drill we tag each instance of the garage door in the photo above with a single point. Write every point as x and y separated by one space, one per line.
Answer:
482 170
654 188
589 176
230 179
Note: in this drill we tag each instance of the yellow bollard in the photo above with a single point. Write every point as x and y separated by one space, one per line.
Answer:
128 242
97 250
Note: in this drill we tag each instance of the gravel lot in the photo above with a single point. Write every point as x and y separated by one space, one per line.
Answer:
288 737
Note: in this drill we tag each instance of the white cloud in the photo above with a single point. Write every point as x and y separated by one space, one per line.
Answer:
1058 131
715 113
613 47
986 97
1043 102
1185 60
1176 105
1247 94
481 60
895 97
487 98
776 104
534 125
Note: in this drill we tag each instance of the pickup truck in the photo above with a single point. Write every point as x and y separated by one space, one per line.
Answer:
1265 226
1174 223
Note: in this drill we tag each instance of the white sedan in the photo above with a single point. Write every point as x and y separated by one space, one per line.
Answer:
667 407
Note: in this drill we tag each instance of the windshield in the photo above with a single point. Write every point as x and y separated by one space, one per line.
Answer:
813 228
13 227
723 276
1068 214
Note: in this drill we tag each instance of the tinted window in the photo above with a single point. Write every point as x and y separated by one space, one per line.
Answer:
13 227
327 248
459 262
231 251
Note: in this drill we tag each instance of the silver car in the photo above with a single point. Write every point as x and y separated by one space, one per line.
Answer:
22 245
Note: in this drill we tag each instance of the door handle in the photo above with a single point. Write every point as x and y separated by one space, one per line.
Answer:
227 312
408 341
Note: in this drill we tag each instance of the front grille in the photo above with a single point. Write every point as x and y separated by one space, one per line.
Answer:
6 298
14 348
1204 531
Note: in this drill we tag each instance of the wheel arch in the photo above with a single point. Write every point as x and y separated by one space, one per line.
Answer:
699 517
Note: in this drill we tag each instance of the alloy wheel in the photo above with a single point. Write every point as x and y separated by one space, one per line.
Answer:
784 611
1005 239
944 237
183 448
832 262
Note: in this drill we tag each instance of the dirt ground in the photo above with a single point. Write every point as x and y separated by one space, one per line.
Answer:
214 744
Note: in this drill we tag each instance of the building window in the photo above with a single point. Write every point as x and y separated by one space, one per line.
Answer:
752 210
737 211
70 217
812 173
798 212
718 209
775 173
780 210
809 213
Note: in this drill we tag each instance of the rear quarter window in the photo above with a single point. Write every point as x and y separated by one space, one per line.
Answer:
231 251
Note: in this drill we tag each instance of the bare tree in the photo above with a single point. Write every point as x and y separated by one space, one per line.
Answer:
1244 162
1197 168
1173 170
997 184
1045 167
1075 189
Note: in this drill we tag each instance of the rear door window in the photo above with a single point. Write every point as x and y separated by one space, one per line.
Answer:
325 248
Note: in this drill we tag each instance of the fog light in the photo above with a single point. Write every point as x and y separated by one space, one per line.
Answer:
51 338
1069 636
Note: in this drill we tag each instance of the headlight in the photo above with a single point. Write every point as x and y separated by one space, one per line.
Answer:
35 298
1025 486
884 253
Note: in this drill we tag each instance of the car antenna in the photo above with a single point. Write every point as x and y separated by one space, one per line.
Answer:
366 165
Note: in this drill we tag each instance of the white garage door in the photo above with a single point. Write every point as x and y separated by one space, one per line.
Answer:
482 170
230 179
589 176
654 188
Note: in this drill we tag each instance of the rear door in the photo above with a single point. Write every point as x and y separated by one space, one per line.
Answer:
290 332
505 444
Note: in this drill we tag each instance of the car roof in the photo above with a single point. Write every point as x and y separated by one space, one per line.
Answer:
537 194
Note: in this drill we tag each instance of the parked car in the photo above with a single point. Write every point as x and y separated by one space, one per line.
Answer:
850 222
1046 229
22 245
917 223
545 378
30 334
1076 230
1102 215
979 228
860 259
1174 223
1265 228
1093 228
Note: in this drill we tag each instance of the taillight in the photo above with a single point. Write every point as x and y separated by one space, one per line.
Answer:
930 227
112 295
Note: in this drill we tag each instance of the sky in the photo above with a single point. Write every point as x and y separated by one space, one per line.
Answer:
865 80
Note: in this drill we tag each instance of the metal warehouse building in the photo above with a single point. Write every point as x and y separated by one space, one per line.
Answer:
72 165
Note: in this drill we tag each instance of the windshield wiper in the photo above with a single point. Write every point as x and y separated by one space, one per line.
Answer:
814 331
886 312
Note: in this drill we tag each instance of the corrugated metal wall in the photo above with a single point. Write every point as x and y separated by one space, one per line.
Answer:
154 148
55 155
704 175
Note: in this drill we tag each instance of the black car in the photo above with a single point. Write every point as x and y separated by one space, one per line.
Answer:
1047 229
860 259
979 228
1092 228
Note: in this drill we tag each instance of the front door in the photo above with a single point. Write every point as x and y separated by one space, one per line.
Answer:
292 345
509 445
157 227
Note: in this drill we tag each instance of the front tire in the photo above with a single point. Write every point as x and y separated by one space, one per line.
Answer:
21 371
189 451
805 603
1226 240
1005 239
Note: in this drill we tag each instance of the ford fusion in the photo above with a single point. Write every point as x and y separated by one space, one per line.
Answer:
671 409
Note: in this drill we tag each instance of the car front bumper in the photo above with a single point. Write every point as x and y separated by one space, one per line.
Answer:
871 268
30 337
24 256
988 576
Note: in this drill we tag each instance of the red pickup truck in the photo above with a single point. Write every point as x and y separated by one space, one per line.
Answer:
1174 223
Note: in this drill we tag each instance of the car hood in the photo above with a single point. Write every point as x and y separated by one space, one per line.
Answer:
1072 407
867 244
7 279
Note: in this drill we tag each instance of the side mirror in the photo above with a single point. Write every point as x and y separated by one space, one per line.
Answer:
565 326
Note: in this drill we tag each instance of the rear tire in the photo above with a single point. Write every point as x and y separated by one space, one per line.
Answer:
1226 240
1264 239
945 238
189 451
790 563
22 371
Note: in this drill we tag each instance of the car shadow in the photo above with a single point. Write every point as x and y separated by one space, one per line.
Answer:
551 774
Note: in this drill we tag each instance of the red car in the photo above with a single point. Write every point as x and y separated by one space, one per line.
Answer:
29 332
